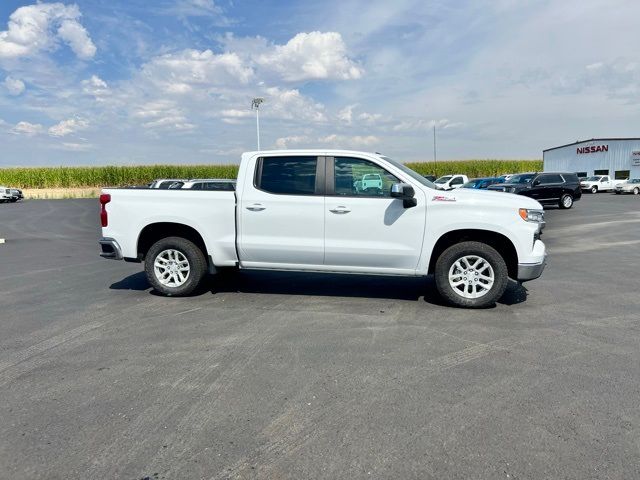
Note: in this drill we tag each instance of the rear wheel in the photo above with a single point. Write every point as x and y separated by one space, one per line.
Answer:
471 275
594 189
636 191
566 201
175 266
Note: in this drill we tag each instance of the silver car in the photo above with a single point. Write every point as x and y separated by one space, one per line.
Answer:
630 186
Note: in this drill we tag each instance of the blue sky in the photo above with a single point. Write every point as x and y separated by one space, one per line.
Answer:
171 81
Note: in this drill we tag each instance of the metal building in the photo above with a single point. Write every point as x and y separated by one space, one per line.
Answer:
617 157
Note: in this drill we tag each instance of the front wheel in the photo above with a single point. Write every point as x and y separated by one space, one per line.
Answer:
566 201
175 266
594 189
636 191
471 275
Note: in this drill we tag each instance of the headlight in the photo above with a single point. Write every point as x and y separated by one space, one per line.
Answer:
536 216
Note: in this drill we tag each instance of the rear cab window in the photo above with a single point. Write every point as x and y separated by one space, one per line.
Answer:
294 175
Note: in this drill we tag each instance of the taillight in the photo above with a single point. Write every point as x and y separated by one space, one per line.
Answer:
104 218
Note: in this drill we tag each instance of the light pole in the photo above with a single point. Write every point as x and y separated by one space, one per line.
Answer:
435 160
255 103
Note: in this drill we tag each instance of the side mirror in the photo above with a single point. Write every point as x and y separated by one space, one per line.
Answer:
406 193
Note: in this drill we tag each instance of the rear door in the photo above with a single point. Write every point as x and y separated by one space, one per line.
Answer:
369 230
281 213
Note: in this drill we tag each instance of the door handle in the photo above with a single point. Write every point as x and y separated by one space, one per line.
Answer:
256 207
340 210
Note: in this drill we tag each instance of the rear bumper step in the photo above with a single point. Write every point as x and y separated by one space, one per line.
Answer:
110 249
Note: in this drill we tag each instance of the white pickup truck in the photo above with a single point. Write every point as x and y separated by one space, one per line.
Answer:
600 183
449 182
299 210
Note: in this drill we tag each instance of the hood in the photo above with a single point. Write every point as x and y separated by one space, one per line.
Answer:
485 197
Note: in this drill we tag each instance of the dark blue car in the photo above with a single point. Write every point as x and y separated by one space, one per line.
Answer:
482 183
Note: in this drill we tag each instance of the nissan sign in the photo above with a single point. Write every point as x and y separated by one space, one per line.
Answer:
593 149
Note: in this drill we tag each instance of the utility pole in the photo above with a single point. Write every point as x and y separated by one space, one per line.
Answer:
255 103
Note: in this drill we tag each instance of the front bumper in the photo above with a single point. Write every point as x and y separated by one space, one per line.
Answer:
110 249
530 271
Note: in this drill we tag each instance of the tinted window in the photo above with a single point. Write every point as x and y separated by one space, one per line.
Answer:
355 177
218 186
196 186
552 178
601 172
457 181
523 178
581 174
622 174
165 185
288 175
570 177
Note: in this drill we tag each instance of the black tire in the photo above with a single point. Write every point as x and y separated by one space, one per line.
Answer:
566 201
456 252
594 189
197 264
618 193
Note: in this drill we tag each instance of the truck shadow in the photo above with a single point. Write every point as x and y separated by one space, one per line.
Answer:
320 284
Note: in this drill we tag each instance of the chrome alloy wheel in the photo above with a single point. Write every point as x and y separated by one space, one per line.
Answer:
471 276
171 268
567 201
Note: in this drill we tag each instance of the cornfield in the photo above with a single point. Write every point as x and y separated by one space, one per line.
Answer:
77 177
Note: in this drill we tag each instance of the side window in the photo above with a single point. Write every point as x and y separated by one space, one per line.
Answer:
622 174
548 179
197 186
358 177
457 181
287 175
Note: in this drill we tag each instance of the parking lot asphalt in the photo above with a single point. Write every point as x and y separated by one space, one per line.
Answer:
309 376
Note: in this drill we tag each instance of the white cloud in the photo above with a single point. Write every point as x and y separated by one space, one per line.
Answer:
333 140
26 128
346 114
96 87
67 127
163 115
290 104
369 118
15 86
420 124
181 72
41 27
311 56
75 147
195 8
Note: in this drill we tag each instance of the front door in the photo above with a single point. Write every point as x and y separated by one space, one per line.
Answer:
281 214
365 228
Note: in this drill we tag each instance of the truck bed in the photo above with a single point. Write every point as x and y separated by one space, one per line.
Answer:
211 213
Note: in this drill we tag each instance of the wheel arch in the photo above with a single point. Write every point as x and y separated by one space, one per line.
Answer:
498 241
153 232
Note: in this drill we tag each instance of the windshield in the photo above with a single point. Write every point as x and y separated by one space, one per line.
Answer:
444 179
524 178
593 179
412 173
634 180
472 184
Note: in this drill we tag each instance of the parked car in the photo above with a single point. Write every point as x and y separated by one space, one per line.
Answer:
5 194
370 181
548 188
298 210
206 184
630 186
167 183
449 182
483 183
600 183
16 194
507 176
